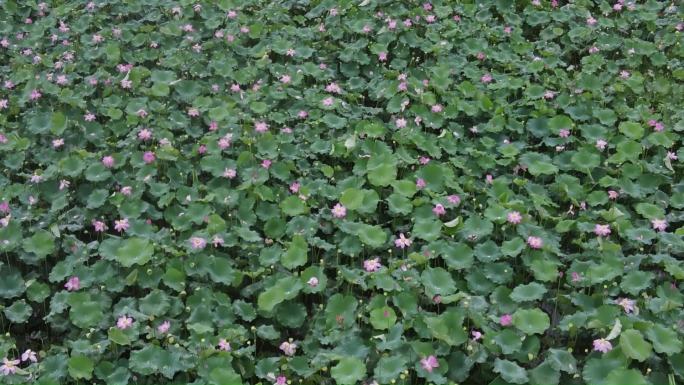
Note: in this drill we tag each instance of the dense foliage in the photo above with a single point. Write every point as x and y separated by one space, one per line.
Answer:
337 192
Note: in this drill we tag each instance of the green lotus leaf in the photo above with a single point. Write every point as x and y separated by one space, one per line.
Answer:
80 366
383 318
134 251
437 281
531 292
634 346
18 312
41 244
664 340
531 321
283 289
510 371
349 370
296 254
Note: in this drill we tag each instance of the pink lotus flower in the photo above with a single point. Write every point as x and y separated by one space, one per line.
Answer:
486 78
313 281
439 210
35 178
142 113
35 95
9 366
549 95
4 207
593 49
402 242
302 114
626 304
294 187
194 112
591 21
164 327
288 348
148 157
601 144
4 103
290 52
576 277
73 284
29 355
266 163
514 217
602 345
99 226
126 190
285 79
624 74
476 335
505 320
602 230
339 211
224 345
454 199
124 322
437 108
217 241
281 380
612 194
57 143
145 134
333 88
382 56
400 123
420 183
225 141
564 133
126 84
535 242
671 156
659 224
328 101
62 80
429 363
372 265
108 161
198 243
229 173
121 225
260 127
